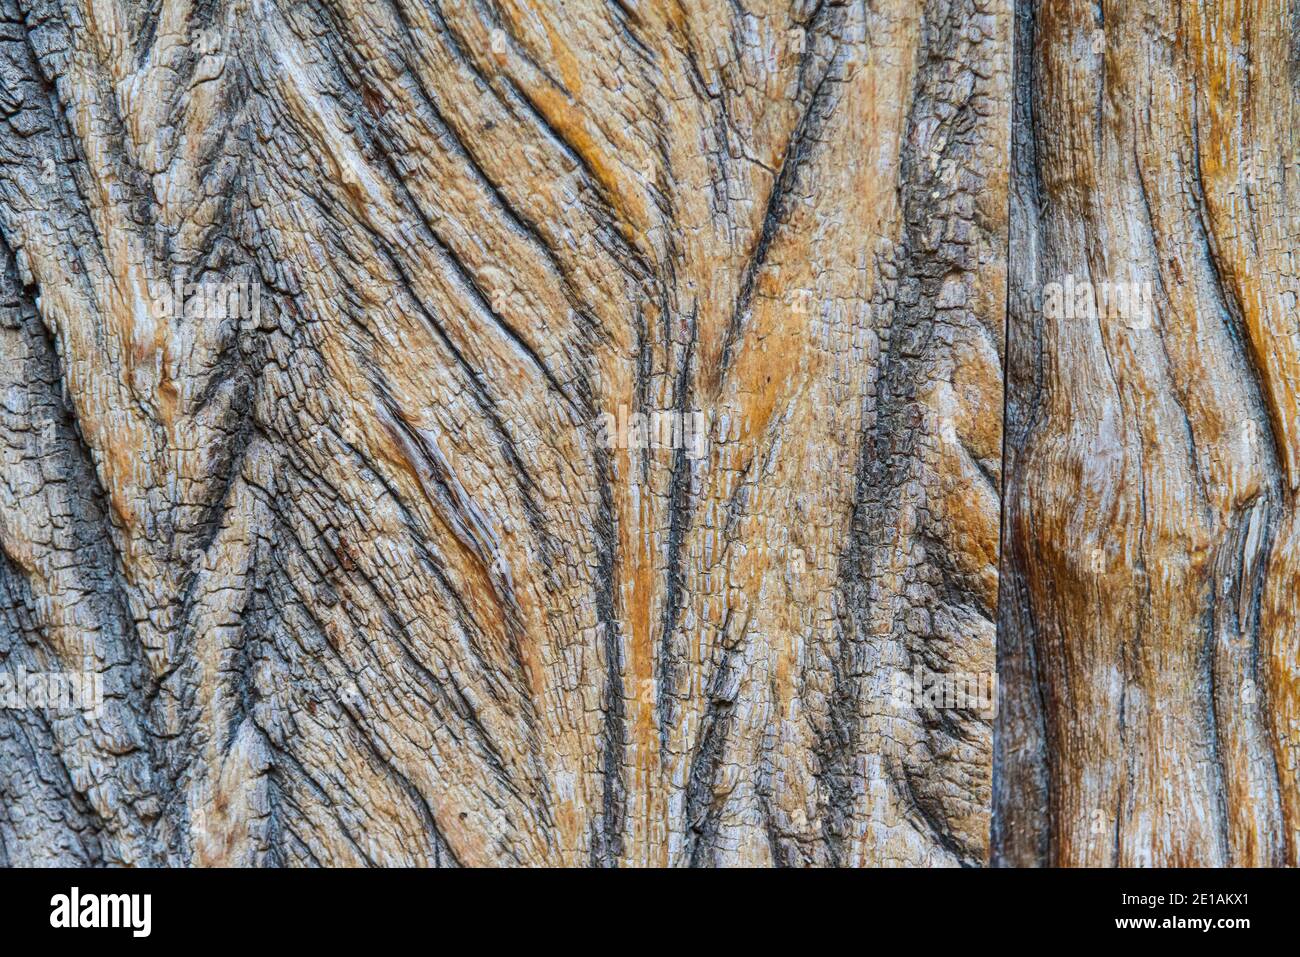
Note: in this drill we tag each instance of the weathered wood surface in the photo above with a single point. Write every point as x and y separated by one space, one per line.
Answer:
1149 654
362 581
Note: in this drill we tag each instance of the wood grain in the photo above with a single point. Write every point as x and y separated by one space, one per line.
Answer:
1148 647
364 581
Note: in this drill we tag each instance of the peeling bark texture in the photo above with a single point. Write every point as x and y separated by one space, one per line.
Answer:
1149 655
362 577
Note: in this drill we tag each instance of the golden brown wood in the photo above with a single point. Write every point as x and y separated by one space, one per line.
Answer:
1149 653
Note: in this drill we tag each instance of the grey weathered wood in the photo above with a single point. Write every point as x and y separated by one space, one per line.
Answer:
362 580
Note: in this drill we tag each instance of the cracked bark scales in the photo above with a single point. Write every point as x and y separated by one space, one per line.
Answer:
1148 651
363 583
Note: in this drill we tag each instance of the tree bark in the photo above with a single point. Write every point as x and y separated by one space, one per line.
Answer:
374 576
1148 651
